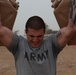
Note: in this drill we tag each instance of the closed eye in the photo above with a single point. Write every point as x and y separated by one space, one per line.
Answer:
40 36
32 36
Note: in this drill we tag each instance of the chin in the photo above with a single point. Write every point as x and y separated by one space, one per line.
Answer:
35 46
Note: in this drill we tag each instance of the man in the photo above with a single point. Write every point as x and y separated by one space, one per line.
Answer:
36 55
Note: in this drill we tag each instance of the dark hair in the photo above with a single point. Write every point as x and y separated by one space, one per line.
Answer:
35 22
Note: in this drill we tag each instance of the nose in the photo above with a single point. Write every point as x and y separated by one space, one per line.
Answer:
35 39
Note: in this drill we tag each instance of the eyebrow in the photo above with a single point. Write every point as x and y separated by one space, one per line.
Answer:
36 36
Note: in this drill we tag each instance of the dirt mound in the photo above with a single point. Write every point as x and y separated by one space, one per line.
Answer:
66 62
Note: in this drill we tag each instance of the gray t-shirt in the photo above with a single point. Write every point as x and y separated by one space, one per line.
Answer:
35 61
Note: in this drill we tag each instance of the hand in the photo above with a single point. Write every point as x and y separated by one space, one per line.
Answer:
71 26
15 4
52 1
55 3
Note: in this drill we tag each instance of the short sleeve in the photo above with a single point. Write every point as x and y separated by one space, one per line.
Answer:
14 44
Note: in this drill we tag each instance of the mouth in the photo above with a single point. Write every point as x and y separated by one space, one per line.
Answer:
35 44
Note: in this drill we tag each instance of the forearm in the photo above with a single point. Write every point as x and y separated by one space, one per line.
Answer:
66 34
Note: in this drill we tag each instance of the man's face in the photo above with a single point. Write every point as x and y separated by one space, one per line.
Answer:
35 37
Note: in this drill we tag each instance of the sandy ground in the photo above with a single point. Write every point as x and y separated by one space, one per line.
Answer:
66 62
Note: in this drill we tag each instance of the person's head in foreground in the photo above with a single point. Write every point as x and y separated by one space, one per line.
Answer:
35 30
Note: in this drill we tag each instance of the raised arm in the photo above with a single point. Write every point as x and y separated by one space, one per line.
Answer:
66 34
6 35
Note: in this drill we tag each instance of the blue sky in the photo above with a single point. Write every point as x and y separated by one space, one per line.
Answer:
29 8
